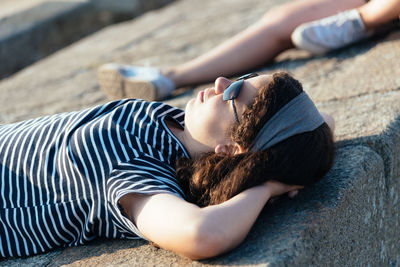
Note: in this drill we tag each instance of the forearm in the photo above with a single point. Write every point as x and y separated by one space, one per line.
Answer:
232 220
194 232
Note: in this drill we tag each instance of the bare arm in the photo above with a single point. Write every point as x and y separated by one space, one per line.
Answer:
194 232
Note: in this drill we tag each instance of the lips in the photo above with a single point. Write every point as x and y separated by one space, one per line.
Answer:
201 96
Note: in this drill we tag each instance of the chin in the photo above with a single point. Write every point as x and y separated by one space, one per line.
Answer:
189 104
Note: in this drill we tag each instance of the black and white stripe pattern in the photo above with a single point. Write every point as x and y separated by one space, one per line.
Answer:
61 176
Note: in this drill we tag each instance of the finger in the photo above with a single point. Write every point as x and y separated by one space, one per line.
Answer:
293 193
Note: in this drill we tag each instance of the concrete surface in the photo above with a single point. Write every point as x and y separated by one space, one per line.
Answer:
11 7
349 219
32 30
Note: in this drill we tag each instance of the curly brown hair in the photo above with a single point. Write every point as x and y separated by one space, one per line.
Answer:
302 159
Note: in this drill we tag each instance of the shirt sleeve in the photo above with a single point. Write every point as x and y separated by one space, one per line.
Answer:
143 175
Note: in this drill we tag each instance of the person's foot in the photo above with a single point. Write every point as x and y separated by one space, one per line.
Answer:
123 81
321 36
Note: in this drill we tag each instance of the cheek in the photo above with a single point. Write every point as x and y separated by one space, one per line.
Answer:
209 120
214 114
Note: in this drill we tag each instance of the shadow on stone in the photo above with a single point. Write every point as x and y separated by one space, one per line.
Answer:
293 59
348 218
97 252
33 34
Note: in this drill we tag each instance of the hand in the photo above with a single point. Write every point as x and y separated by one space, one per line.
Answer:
276 188
292 194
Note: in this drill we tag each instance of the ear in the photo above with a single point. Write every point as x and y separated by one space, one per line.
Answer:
231 149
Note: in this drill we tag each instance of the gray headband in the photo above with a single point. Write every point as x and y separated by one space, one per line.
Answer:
298 116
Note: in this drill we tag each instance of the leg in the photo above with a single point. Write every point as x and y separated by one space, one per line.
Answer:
253 47
258 44
379 12
323 35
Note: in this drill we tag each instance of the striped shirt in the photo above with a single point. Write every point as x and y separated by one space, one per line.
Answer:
61 176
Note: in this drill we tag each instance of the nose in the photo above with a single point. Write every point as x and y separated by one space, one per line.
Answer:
221 83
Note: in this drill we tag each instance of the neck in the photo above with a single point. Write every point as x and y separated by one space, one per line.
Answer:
194 148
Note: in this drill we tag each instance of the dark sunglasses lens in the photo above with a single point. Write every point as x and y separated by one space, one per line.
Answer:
232 91
247 76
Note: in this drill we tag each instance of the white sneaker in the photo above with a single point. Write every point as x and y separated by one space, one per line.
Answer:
124 81
321 36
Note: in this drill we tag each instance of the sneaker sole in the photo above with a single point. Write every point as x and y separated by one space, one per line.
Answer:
116 86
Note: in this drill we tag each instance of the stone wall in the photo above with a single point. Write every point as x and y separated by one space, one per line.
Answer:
38 31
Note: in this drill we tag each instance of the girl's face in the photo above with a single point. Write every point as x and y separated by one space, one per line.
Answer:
208 117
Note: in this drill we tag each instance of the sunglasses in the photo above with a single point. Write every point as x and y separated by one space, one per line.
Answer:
233 91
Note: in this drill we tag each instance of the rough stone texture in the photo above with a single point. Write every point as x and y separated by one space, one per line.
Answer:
349 219
11 7
36 32
350 72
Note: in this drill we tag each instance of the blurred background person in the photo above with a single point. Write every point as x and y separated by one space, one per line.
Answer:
317 26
